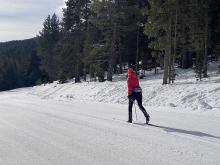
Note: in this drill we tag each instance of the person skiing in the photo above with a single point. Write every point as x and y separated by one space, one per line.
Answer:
135 93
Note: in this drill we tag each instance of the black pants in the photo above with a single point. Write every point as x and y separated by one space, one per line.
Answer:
136 96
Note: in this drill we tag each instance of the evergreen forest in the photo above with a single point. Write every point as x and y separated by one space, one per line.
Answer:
96 39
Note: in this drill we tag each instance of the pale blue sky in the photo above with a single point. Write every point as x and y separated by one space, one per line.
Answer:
22 19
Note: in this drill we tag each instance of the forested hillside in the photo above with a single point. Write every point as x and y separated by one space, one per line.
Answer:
19 64
100 38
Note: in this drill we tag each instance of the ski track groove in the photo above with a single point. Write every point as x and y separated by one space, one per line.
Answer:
137 125
74 118
161 130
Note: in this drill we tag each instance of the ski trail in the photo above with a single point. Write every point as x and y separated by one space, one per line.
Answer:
161 129
155 128
54 133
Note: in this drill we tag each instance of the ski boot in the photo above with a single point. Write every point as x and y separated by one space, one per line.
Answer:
129 121
147 119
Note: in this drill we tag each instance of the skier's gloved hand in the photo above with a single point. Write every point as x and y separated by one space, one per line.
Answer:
129 96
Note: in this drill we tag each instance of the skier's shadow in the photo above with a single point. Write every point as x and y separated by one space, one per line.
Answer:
170 130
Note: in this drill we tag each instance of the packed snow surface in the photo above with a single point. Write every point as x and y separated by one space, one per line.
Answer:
85 124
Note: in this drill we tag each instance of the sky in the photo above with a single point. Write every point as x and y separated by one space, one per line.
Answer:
23 19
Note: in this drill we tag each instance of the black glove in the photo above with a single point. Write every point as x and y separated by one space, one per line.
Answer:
129 96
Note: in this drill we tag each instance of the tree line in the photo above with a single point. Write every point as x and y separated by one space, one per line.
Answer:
99 38
180 27
94 37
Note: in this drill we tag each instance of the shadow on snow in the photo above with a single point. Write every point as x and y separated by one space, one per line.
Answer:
170 130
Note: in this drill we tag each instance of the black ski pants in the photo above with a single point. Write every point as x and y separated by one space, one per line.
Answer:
136 96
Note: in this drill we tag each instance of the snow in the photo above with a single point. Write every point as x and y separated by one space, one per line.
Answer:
84 123
186 93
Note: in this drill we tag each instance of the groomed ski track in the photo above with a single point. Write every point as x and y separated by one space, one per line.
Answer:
49 132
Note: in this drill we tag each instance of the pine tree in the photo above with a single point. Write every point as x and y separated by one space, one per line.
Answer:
75 22
33 70
47 43
215 27
106 19
118 21
94 60
200 34
161 16
178 27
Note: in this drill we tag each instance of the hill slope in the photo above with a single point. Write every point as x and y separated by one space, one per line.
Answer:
186 93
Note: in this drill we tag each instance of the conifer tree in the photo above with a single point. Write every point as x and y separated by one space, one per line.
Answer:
159 28
47 42
74 29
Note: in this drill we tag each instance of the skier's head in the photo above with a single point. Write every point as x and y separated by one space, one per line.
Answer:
130 71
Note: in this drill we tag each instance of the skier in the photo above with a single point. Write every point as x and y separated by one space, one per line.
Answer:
135 93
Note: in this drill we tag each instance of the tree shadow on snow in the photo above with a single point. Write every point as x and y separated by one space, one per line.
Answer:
170 130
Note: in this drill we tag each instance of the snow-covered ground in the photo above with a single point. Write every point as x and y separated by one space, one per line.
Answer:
185 94
66 124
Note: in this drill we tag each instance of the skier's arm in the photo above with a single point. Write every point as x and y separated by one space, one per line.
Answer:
129 86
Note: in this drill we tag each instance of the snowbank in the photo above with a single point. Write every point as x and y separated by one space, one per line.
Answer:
186 93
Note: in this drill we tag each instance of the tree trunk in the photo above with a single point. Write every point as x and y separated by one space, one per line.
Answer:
84 73
113 53
167 53
174 48
120 57
77 73
111 61
137 56
205 62
87 17
109 74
